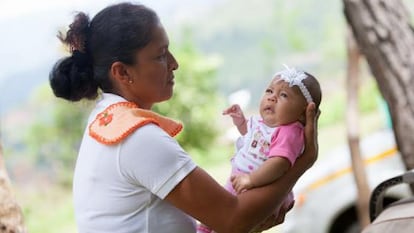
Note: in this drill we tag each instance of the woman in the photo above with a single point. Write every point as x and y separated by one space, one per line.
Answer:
131 175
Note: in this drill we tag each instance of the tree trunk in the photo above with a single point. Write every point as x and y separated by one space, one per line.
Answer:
11 217
353 132
385 37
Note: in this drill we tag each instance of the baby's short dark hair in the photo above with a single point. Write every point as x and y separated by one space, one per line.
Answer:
314 88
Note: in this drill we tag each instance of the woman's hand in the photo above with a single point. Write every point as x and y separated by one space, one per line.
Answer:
273 220
311 134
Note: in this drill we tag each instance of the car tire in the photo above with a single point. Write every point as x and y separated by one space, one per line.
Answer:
347 222
353 227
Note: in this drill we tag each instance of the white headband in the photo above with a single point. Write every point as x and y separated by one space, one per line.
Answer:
295 77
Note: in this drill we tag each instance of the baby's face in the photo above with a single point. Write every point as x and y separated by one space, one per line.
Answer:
281 104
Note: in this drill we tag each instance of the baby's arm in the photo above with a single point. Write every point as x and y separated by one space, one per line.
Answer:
286 144
269 171
237 115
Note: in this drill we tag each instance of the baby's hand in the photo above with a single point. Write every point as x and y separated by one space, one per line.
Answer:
236 114
241 182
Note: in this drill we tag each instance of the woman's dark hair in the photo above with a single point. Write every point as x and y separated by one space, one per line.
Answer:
115 34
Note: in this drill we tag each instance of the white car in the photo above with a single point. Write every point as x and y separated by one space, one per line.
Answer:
326 195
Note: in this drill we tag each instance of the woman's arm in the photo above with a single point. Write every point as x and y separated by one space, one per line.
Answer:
200 196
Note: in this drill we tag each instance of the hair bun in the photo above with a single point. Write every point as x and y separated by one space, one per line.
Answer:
80 59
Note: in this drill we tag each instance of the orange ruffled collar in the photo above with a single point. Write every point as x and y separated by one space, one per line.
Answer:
121 119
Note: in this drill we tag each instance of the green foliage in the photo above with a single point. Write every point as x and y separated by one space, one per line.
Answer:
48 211
369 97
333 108
256 37
54 135
195 102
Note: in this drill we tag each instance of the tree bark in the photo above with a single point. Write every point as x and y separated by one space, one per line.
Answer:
385 37
353 132
11 217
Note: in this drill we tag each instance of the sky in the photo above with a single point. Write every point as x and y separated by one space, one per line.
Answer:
28 28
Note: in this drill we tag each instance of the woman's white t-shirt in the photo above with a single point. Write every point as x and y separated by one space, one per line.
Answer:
121 188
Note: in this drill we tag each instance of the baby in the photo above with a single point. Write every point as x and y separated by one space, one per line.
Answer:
271 143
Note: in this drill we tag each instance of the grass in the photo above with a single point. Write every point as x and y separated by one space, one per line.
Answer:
47 209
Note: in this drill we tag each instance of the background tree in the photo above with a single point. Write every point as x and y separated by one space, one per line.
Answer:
352 125
385 37
11 217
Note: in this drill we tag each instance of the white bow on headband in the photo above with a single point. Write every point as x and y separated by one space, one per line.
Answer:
294 78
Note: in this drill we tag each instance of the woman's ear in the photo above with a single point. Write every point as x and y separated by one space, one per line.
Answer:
119 72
